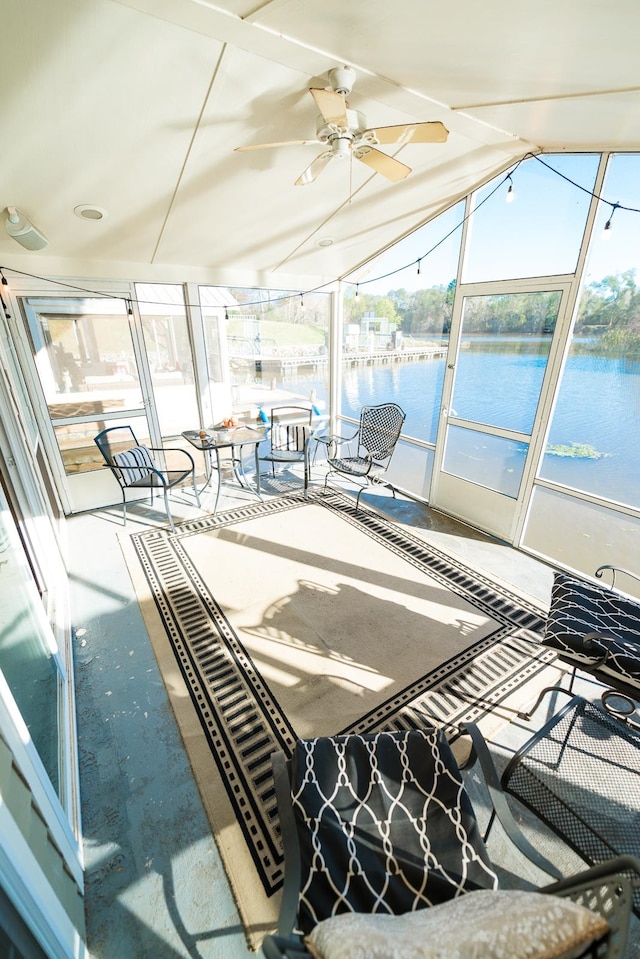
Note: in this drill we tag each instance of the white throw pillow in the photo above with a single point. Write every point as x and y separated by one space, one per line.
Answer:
487 924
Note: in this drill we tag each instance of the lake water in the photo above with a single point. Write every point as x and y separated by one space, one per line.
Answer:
598 405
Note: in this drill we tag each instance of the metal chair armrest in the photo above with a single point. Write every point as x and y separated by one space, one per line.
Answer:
613 570
501 809
280 947
291 890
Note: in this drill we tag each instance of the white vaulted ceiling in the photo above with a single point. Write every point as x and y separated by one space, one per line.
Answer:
136 106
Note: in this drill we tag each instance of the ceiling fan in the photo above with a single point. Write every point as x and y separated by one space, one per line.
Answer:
345 133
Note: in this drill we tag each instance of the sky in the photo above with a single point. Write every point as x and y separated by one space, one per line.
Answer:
542 227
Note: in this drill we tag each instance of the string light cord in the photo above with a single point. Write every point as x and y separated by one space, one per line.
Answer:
129 301
418 262
595 196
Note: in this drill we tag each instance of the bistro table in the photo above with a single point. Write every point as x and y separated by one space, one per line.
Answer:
235 439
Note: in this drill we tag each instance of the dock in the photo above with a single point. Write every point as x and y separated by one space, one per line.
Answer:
281 363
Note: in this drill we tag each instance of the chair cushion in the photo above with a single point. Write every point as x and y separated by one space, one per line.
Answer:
506 924
290 436
134 463
384 825
579 608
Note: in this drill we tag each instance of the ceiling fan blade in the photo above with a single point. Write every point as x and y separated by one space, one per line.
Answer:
388 166
315 168
332 106
432 132
283 143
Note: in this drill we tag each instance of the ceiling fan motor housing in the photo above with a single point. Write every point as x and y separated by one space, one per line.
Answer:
328 132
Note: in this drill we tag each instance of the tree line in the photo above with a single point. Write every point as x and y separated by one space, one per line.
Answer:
609 311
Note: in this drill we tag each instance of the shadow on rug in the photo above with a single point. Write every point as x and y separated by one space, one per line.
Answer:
296 617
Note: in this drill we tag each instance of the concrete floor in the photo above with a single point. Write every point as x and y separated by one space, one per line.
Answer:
155 884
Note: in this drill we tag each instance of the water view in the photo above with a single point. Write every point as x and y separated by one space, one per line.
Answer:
592 445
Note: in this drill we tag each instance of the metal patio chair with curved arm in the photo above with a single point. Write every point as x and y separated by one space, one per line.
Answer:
134 466
382 852
365 456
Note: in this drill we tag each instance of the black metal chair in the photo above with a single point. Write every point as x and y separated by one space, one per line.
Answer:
289 436
365 456
134 467
580 775
595 628
379 827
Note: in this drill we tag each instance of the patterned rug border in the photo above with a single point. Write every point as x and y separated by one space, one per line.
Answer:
228 693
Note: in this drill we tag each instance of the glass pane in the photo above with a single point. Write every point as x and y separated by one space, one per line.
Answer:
84 357
411 468
79 452
26 659
491 461
213 302
166 336
415 385
583 536
424 260
591 444
503 354
615 251
277 343
540 232
410 287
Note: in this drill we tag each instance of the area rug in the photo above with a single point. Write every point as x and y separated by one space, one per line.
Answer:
298 617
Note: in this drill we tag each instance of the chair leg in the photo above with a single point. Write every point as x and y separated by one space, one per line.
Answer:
124 508
168 509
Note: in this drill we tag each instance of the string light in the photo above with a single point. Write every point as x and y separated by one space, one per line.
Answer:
301 301
607 226
129 307
510 192
7 315
510 197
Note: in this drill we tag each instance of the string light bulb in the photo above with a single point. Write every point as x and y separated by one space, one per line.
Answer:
5 282
607 226
419 261
357 290
7 315
510 191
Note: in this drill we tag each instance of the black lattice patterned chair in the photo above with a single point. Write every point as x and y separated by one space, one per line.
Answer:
134 467
596 629
383 851
365 456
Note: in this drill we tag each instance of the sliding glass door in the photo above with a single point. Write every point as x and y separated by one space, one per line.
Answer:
109 361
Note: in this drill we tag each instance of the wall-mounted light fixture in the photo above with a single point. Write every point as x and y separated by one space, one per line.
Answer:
22 230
